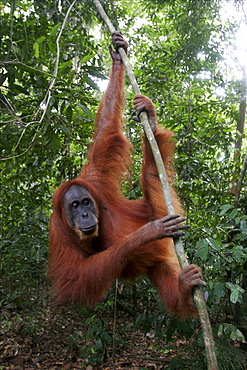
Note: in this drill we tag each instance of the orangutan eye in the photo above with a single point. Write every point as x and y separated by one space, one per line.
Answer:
85 201
75 204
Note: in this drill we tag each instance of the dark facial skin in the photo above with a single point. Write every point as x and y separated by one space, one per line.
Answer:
81 211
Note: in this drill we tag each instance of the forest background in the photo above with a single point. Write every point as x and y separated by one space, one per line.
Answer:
189 57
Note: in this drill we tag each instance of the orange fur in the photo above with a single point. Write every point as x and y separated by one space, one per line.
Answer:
127 244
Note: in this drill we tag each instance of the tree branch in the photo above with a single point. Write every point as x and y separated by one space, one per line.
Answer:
240 181
46 101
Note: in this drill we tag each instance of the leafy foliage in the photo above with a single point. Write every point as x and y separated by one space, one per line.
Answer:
50 70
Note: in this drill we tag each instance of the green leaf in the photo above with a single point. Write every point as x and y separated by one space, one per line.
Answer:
85 109
65 129
214 244
140 318
147 324
86 58
231 332
243 227
237 335
36 50
40 40
202 249
53 139
51 47
55 142
225 208
93 71
234 296
55 29
90 82
219 289
66 64
69 113
36 46
236 290
20 89
98 74
234 213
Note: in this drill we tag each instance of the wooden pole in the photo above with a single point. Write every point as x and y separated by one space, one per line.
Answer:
198 293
